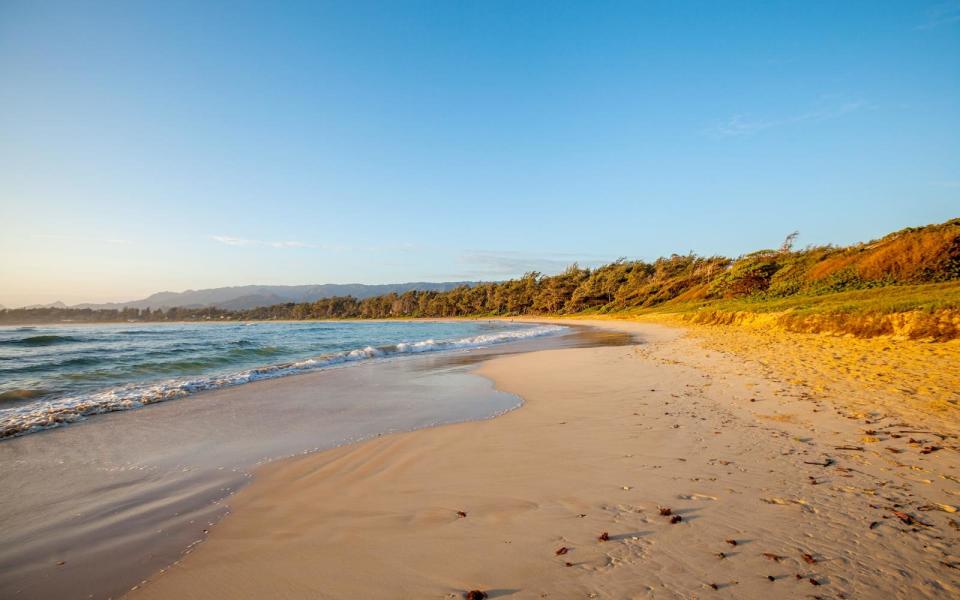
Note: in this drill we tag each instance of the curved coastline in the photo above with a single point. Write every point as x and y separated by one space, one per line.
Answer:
190 457
567 496
611 335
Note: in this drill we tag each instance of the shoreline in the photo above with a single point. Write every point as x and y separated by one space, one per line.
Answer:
115 498
379 519
57 414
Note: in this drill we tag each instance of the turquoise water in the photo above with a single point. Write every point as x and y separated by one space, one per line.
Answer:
53 375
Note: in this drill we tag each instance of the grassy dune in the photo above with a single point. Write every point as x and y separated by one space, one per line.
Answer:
894 346
919 312
906 284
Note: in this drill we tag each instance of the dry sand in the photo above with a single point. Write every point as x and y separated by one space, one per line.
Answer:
820 501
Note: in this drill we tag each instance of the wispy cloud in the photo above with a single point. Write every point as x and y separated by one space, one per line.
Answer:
236 241
741 125
939 15
80 239
486 264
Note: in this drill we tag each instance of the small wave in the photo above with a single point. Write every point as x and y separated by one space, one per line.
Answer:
69 409
245 351
48 367
18 396
152 331
161 367
41 340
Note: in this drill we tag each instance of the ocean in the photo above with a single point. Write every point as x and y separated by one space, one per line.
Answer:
55 375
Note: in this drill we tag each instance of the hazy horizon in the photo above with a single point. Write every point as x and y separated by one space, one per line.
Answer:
176 146
200 289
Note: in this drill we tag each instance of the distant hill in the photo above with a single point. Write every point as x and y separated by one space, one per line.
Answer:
57 304
254 296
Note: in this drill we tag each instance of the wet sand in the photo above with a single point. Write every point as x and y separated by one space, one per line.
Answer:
91 509
662 469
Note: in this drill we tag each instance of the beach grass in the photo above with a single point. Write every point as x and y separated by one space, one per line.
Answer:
891 299
928 312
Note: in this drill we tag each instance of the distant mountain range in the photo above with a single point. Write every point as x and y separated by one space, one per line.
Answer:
252 296
56 304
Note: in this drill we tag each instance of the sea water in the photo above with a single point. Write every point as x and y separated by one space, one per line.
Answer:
57 374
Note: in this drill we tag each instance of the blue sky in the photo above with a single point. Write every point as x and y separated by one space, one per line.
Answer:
167 145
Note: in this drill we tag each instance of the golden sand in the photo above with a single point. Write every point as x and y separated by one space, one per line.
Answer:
880 374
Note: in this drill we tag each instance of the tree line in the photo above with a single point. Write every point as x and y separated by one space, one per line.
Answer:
618 284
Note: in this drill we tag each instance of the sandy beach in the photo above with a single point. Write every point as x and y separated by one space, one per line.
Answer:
668 468
445 300
90 509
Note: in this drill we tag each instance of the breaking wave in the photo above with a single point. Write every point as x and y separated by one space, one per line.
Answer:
20 420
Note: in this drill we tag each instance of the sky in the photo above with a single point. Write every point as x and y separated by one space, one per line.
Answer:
148 146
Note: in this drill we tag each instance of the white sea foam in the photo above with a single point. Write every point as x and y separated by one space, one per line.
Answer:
44 415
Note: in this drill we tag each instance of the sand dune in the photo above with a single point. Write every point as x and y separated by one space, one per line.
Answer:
780 492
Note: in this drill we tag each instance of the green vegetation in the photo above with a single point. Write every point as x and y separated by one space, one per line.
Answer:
916 269
927 312
890 299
